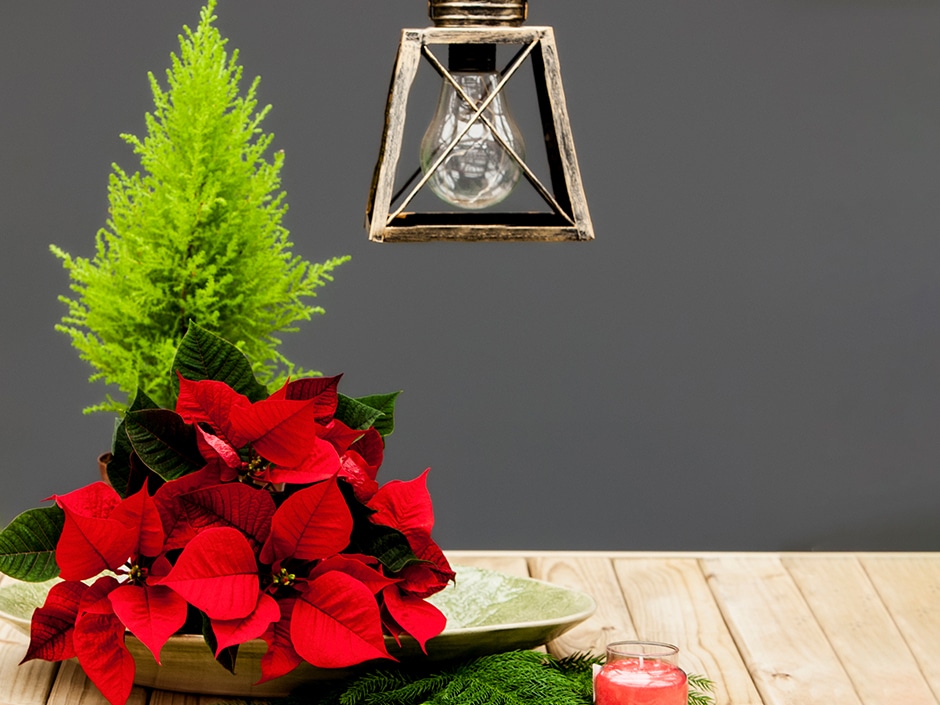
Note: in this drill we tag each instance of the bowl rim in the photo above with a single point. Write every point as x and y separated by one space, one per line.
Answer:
589 608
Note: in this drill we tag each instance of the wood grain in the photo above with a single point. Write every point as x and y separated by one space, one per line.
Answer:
72 687
808 629
860 629
910 589
552 100
596 577
670 601
28 684
162 697
481 35
511 565
383 180
479 233
786 651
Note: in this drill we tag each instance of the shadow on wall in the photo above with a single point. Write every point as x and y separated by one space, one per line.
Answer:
910 533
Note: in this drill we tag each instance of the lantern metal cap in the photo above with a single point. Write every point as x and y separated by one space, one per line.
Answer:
477 13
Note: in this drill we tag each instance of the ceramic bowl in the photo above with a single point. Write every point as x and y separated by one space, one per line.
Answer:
487 612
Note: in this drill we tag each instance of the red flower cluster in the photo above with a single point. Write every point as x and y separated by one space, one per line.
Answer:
270 539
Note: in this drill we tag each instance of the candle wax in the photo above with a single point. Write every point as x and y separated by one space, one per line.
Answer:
635 682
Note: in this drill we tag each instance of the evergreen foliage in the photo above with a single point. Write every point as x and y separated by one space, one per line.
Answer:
512 678
509 678
196 237
700 690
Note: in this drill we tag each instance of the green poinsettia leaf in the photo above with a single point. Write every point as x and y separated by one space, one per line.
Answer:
355 414
119 466
227 656
385 403
27 545
204 355
376 410
142 401
164 442
388 545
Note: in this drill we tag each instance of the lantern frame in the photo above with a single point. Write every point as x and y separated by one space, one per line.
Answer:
569 218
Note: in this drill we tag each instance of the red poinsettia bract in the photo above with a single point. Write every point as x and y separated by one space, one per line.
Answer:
103 532
270 539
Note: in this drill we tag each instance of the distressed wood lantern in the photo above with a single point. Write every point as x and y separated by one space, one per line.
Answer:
473 154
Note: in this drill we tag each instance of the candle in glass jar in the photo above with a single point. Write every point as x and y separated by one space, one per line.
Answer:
641 673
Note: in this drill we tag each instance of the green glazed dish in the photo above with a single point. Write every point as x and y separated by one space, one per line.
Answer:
487 612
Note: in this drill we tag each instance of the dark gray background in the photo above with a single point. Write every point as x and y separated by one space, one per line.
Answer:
745 358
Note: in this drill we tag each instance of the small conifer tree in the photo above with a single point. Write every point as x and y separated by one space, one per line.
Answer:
196 237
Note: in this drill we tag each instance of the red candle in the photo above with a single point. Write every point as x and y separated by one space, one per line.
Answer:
640 680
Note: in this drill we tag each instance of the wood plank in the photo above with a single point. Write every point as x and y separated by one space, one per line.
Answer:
861 630
594 576
481 35
474 233
73 687
909 586
560 138
785 649
383 180
163 697
511 565
804 624
28 684
669 600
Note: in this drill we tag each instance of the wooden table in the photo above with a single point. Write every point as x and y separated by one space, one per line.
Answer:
768 628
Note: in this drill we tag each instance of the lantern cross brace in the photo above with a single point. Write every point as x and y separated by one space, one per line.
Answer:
478 115
444 73
481 116
568 218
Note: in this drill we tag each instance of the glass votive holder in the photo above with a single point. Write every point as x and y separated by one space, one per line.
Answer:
641 673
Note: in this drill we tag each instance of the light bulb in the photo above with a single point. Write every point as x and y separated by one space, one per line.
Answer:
478 172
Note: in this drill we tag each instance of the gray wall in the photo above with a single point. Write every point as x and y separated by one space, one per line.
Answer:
745 358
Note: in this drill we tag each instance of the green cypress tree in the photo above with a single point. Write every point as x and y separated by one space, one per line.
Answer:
196 236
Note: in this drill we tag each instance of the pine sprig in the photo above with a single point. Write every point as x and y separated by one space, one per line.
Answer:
384 683
195 235
510 678
394 689
513 678
700 690
579 669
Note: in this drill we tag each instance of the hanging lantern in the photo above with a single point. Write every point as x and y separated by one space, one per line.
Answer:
473 153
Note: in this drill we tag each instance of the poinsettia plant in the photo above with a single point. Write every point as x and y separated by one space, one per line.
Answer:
239 515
